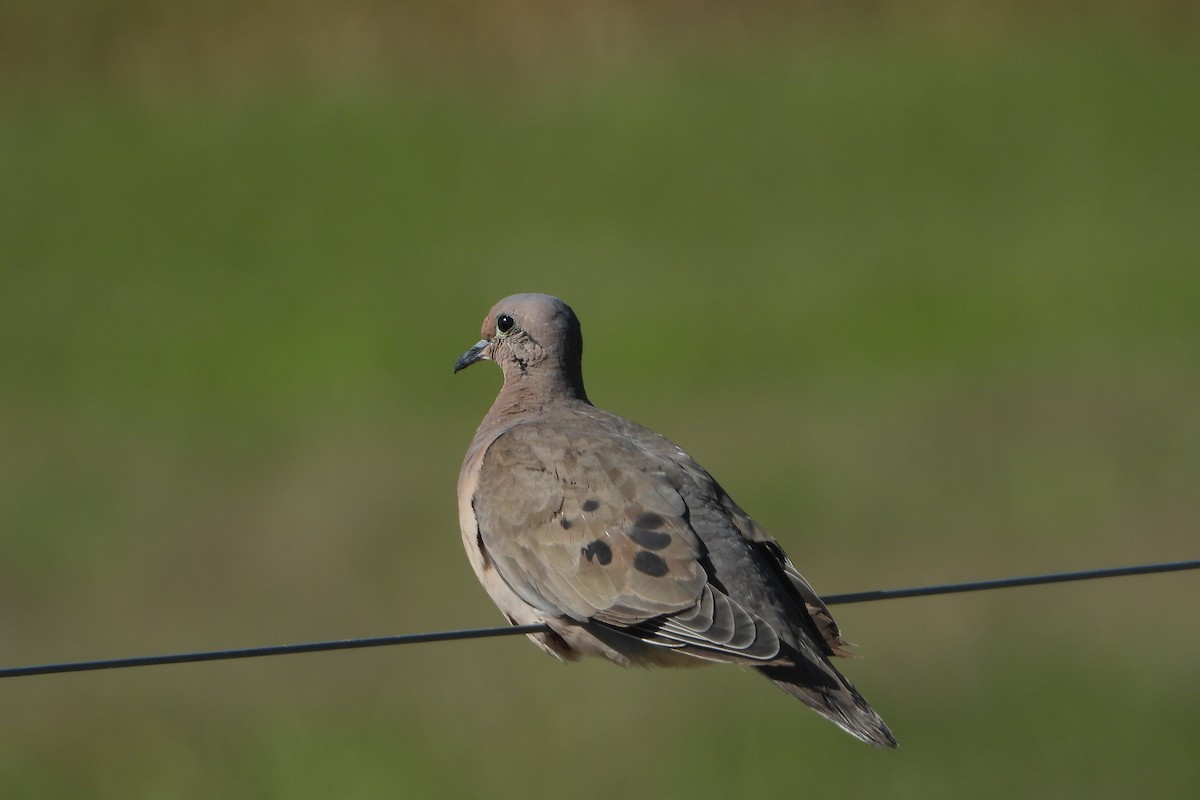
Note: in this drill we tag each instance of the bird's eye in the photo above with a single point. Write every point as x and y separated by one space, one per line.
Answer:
504 324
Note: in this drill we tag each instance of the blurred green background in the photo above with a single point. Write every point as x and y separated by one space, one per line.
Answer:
917 282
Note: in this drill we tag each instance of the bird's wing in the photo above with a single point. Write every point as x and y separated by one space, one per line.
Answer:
593 527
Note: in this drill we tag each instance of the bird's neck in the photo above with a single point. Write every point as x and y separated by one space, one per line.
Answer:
524 393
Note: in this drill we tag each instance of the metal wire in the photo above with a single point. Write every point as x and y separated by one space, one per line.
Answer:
1006 583
269 650
481 633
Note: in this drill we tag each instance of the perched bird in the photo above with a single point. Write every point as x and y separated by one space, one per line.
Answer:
622 544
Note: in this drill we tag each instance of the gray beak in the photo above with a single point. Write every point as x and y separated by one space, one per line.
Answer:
471 356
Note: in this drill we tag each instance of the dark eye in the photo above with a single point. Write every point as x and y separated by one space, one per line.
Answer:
504 323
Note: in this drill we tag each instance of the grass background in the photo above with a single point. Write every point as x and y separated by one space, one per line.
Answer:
918 283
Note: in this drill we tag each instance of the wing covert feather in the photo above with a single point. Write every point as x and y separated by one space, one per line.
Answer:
579 533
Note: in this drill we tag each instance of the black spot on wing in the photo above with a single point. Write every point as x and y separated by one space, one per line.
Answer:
600 551
651 540
649 520
650 564
566 523
591 504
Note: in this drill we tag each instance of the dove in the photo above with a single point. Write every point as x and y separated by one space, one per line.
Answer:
619 542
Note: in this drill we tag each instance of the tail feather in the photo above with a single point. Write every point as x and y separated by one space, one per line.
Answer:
826 691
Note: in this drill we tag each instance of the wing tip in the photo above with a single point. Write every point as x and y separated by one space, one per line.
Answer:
839 701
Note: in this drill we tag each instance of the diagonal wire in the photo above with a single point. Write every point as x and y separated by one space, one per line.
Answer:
269 650
481 633
1006 583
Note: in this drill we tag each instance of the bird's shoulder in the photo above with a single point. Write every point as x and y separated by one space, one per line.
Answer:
609 443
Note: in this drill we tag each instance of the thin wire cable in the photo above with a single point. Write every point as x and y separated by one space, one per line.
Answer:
1007 583
269 650
481 633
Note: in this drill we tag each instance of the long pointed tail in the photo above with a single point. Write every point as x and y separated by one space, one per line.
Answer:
826 691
